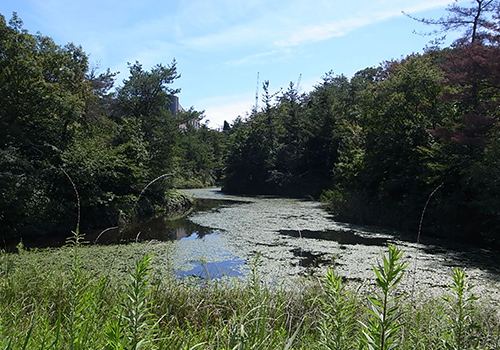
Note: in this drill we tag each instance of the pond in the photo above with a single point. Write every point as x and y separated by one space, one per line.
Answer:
286 238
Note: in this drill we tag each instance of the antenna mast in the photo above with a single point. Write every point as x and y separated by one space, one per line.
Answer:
297 85
257 94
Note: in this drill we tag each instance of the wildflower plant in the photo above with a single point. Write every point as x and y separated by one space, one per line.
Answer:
382 330
462 309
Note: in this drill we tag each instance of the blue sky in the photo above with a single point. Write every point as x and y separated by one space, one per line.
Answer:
220 45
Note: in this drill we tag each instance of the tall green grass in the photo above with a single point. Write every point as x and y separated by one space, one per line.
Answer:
71 304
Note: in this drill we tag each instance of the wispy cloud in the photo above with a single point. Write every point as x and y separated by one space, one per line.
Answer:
258 57
221 41
227 38
315 33
426 5
282 30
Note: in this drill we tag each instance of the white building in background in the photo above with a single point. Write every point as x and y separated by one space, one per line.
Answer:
175 107
194 123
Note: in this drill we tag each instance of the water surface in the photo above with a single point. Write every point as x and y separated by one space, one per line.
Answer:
286 238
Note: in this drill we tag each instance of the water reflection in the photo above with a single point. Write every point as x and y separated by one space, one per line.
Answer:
194 235
158 228
164 228
213 270
161 228
310 259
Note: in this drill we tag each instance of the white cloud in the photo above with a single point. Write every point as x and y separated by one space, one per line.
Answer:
426 5
322 32
227 38
315 33
217 26
257 57
215 40
307 85
227 108
221 108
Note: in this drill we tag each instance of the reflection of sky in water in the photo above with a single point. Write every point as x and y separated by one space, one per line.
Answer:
164 228
213 270
161 228
193 235
206 256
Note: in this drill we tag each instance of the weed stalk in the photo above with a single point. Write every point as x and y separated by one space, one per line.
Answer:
383 327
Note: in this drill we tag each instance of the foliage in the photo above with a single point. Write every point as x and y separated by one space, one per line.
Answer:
279 149
339 328
134 327
177 201
476 20
383 328
57 111
64 304
461 304
84 302
199 156
377 144
43 92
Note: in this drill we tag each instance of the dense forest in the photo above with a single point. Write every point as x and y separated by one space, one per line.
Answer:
373 147
65 126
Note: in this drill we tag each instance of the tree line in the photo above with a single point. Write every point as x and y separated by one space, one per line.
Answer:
373 146
376 145
64 126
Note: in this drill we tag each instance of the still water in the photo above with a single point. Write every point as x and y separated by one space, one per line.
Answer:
285 239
